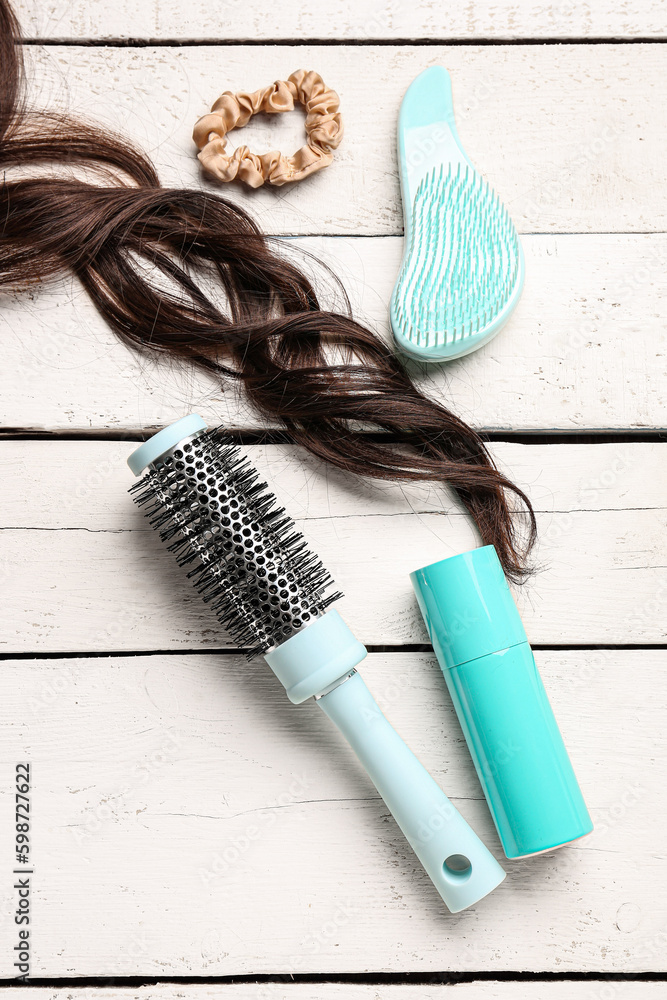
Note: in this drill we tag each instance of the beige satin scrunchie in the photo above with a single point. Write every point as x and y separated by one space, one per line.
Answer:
324 129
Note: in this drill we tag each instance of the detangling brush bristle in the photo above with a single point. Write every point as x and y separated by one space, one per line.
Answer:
273 596
463 267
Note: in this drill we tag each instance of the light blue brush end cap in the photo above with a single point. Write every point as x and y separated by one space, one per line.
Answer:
163 441
315 658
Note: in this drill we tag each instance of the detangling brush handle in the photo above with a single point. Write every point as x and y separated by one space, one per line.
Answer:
272 595
320 662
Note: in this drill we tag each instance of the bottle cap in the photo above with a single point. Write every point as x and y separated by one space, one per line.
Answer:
467 606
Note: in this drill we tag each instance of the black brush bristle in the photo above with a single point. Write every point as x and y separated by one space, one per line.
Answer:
247 558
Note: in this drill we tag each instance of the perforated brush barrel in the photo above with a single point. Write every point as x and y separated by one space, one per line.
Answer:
248 559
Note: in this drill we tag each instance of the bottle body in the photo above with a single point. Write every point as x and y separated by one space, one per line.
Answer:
501 703
518 751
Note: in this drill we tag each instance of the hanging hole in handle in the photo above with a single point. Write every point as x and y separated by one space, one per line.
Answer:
457 866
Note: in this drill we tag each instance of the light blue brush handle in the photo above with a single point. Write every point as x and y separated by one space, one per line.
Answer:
320 662
434 828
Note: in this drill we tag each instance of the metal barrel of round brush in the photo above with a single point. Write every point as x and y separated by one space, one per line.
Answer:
272 595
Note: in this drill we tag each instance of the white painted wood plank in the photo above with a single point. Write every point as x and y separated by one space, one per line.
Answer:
602 989
514 990
482 990
149 771
585 349
571 137
82 571
340 19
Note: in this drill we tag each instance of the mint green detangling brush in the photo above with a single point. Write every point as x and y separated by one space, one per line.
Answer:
463 267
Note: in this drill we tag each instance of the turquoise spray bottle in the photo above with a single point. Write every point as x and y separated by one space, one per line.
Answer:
508 723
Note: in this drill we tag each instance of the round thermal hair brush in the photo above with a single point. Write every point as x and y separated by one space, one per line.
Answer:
273 596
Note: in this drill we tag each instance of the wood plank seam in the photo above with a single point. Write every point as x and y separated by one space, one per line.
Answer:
426 41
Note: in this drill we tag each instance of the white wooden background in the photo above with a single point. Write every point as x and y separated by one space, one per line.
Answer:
153 755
